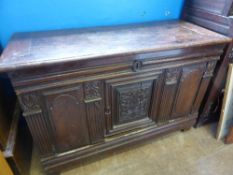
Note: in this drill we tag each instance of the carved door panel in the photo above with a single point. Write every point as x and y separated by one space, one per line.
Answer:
129 100
76 114
133 101
168 94
67 113
189 84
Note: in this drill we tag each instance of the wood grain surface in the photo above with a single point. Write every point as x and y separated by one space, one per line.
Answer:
44 48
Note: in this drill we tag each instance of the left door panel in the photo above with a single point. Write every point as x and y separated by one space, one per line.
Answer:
67 113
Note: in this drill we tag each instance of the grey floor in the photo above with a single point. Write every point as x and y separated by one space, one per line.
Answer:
195 152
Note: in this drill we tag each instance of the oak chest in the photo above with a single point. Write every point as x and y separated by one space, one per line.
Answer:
87 91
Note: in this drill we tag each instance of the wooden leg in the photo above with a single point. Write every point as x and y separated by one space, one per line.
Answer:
54 173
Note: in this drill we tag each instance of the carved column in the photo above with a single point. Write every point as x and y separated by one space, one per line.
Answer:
231 56
38 124
168 94
95 111
204 85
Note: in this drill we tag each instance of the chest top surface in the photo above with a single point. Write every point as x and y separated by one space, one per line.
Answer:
45 48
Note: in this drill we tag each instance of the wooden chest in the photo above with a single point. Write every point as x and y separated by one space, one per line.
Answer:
84 92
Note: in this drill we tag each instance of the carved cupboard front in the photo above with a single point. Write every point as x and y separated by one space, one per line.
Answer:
89 91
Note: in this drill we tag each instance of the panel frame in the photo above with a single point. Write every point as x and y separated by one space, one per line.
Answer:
111 86
47 110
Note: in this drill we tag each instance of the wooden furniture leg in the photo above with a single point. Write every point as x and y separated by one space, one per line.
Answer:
186 129
229 138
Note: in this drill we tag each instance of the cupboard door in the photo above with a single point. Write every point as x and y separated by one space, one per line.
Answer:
187 90
129 100
68 117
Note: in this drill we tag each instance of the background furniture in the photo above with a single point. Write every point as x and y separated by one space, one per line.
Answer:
5 169
214 15
229 138
15 138
18 150
7 105
5 117
84 92
226 118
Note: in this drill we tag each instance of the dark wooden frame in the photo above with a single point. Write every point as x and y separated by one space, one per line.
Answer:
18 148
216 7
214 15
15 140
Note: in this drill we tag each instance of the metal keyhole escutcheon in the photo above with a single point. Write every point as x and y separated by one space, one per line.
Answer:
137 65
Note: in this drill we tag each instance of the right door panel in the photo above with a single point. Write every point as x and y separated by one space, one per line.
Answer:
187 90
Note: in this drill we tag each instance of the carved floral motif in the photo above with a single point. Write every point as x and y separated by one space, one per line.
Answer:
92 90
172 76
231 55
210 69
29 102
133 103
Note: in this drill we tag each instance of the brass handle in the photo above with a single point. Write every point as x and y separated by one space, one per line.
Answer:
137 65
